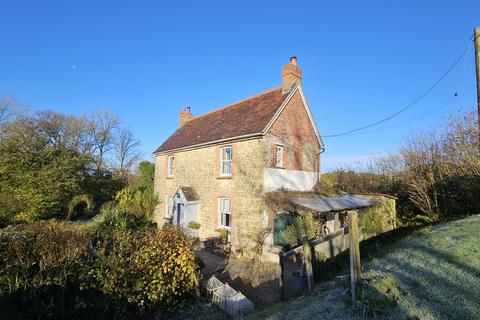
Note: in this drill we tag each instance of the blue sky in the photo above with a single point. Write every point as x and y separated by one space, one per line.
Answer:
145 60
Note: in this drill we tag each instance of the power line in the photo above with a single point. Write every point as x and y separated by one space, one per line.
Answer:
408 105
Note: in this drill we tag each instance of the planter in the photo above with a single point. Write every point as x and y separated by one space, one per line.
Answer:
299 283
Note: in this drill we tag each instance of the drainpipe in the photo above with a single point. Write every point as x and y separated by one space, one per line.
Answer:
322 150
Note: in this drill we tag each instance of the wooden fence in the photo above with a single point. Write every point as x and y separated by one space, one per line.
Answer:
324 248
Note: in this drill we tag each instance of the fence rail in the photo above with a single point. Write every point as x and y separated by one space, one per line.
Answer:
325 247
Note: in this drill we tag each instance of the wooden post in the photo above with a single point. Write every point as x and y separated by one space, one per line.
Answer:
307 256
281 281
355 267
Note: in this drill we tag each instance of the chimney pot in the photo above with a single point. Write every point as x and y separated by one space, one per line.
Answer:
291 75
293 61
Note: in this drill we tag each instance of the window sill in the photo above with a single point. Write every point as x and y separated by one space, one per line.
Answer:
224 177
169 178
278 167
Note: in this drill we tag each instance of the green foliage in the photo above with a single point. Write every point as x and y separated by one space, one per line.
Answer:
223 233
113 219
378 219
302 225
46 160
125 198
194 225
149 269
83 199
140 198
138 201
147 173
38 178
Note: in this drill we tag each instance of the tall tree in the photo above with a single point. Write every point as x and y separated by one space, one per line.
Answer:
126 154
39 174
101 129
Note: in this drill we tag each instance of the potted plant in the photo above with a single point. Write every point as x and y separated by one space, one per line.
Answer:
293 235
193 227
224 235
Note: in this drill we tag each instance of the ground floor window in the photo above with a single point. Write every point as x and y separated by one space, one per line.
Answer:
225 212
168 206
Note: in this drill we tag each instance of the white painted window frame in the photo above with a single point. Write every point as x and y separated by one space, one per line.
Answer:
226 161
222 210
168 203
279 156
170 166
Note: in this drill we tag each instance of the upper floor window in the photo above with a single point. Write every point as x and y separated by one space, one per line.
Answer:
279 155
226 161
224 212
170 160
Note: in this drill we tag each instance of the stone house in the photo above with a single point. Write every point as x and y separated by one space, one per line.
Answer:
216 168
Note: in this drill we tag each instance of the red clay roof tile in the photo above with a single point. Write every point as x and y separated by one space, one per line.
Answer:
245 117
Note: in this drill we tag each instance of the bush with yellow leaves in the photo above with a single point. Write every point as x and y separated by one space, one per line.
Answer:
150 269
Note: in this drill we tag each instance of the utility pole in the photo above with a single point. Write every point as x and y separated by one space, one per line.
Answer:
476 40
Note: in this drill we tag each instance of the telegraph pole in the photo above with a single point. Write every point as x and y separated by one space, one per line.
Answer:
476 40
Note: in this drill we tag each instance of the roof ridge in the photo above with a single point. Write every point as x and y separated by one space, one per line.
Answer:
237 102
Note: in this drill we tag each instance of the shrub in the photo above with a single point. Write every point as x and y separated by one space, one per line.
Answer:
302 225
149 269
194 225
138 201
39 254
83 199
113 219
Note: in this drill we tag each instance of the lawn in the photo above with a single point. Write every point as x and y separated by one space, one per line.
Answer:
433 273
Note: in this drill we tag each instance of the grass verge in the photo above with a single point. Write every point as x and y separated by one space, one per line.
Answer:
432 274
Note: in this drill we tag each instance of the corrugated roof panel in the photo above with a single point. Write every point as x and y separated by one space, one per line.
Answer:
326 204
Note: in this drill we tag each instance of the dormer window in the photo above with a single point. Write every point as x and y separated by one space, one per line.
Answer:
279 154
170 167
226 161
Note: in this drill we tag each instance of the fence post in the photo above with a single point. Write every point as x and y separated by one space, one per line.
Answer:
355 267
307 256
281 280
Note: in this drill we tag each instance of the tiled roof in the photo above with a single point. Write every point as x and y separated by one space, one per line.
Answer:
189 193
245 117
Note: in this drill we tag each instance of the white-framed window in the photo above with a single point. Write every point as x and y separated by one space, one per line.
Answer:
226 161
279 157
168 206
171 160
224 212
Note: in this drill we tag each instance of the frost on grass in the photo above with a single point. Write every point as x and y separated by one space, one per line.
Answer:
432 275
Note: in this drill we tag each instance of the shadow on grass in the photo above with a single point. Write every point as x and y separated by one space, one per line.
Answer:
371 248
430 284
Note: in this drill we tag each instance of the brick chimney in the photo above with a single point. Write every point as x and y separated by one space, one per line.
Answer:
290 74
185 116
